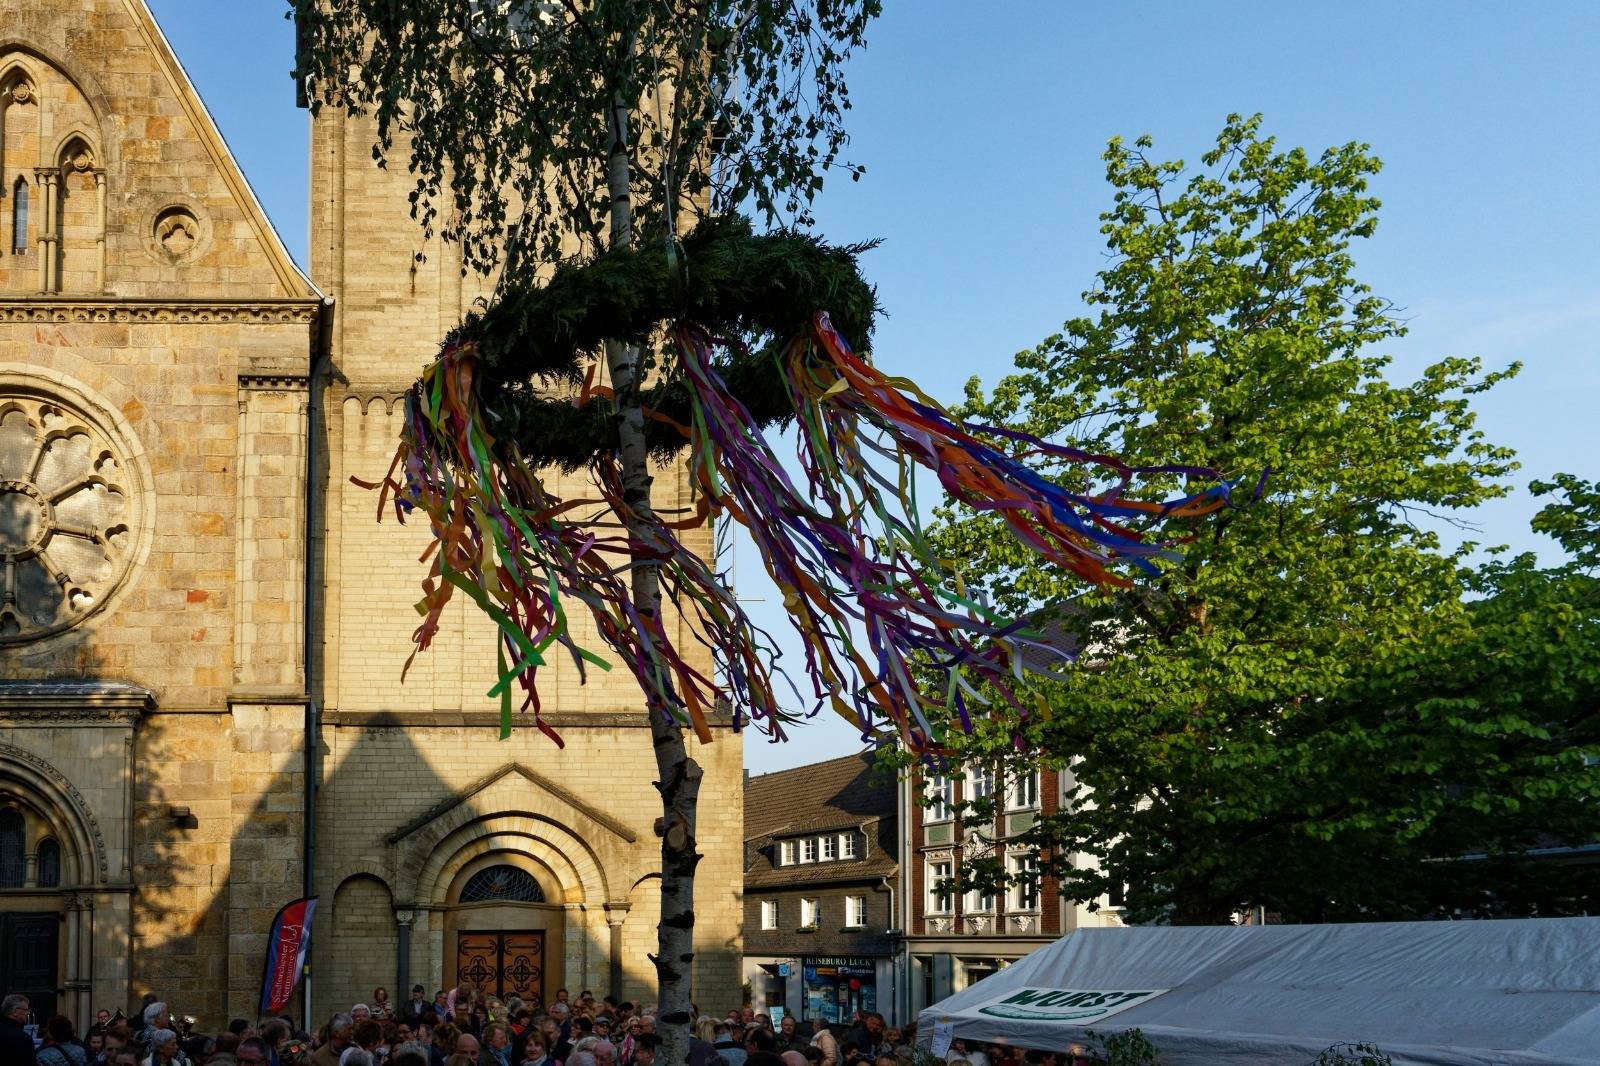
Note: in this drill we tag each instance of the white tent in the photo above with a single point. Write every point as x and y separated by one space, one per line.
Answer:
1519 992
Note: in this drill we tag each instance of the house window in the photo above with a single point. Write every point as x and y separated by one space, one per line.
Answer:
1024 792
980 783
19 218
786 853
938 895
1024 893
830 848
769 914
847 846
855 911
979 901
810 914
942 798
808 849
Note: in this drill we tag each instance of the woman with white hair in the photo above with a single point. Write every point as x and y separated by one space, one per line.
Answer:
164 1049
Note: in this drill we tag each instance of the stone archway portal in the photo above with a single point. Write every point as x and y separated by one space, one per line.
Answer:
502 963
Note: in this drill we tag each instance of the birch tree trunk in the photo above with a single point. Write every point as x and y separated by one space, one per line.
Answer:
679 776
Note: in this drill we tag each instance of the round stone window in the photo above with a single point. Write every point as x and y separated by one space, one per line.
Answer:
69 514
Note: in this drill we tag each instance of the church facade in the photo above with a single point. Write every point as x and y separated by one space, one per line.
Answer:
191 588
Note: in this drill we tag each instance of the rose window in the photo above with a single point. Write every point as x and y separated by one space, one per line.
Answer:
67 516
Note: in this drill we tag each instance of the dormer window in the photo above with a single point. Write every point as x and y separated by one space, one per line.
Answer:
847 846
808 849
830 848
786 853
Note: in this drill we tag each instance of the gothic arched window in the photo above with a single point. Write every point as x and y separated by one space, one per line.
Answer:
19 217
13 854
49 864
502 884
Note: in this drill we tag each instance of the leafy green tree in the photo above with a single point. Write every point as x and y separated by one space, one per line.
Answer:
540 130
1254 727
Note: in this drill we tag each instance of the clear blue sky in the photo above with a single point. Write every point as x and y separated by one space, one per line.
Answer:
981 126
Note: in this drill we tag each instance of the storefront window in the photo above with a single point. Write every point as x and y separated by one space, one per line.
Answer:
836 988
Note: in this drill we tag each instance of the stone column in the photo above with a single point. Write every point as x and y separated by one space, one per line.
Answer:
47 227
403 920
30 878
616 914
100 221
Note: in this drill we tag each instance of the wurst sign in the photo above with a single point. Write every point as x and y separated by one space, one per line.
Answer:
1075 1005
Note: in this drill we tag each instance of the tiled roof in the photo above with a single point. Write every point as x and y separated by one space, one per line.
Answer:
838 794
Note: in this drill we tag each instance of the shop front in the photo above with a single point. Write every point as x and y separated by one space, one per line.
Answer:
838 987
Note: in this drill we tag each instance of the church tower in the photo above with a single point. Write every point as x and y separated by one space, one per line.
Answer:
445 855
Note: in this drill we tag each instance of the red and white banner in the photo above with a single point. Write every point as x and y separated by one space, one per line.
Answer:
286 954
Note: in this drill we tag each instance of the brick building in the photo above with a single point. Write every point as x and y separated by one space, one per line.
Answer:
954 937
821 881
190 587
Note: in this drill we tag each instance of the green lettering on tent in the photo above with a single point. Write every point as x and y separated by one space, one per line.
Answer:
1029 995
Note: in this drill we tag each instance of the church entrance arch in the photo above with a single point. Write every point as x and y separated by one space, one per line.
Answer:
503 927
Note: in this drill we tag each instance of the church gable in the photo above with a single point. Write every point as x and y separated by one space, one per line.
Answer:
113 178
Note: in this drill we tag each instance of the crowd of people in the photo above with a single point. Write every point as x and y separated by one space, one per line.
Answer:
464 1028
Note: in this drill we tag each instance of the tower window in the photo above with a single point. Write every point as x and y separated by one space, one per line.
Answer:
19 218
13 856
49 864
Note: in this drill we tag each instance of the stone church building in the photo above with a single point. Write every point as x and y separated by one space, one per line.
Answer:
190 587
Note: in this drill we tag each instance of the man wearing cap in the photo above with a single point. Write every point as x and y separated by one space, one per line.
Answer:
411 1010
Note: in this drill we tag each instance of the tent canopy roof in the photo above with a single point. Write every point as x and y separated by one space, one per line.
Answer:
1515 992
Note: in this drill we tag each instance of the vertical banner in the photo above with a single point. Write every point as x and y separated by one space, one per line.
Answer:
286 954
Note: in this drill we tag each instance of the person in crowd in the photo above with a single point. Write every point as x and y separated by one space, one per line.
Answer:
198 1049
356 1056
125 1056
333 1048
366 1035
788 1037
380 1004
360 1013
441 1005
871 1036
496 1045
536 1050
411 1054
814 1054
138 1023
765 1058
164 1049
645 1047
792 1057
961 1049
116 1037
444 1043
61 1047
253 1051
823 1040
728 1047
757 1039
274 1034
412 1010
227 1044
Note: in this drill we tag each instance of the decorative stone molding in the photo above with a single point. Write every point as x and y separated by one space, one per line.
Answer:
1023 922
942 855
179 233
199 312
67 788
941 925
72 510
978 923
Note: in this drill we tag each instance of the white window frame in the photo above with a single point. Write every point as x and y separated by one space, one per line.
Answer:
978 901
855 912
829 846
808 850
810 912
942 790
848 848
1022 898
980 783
769 914
939 902
1023 793
786 854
